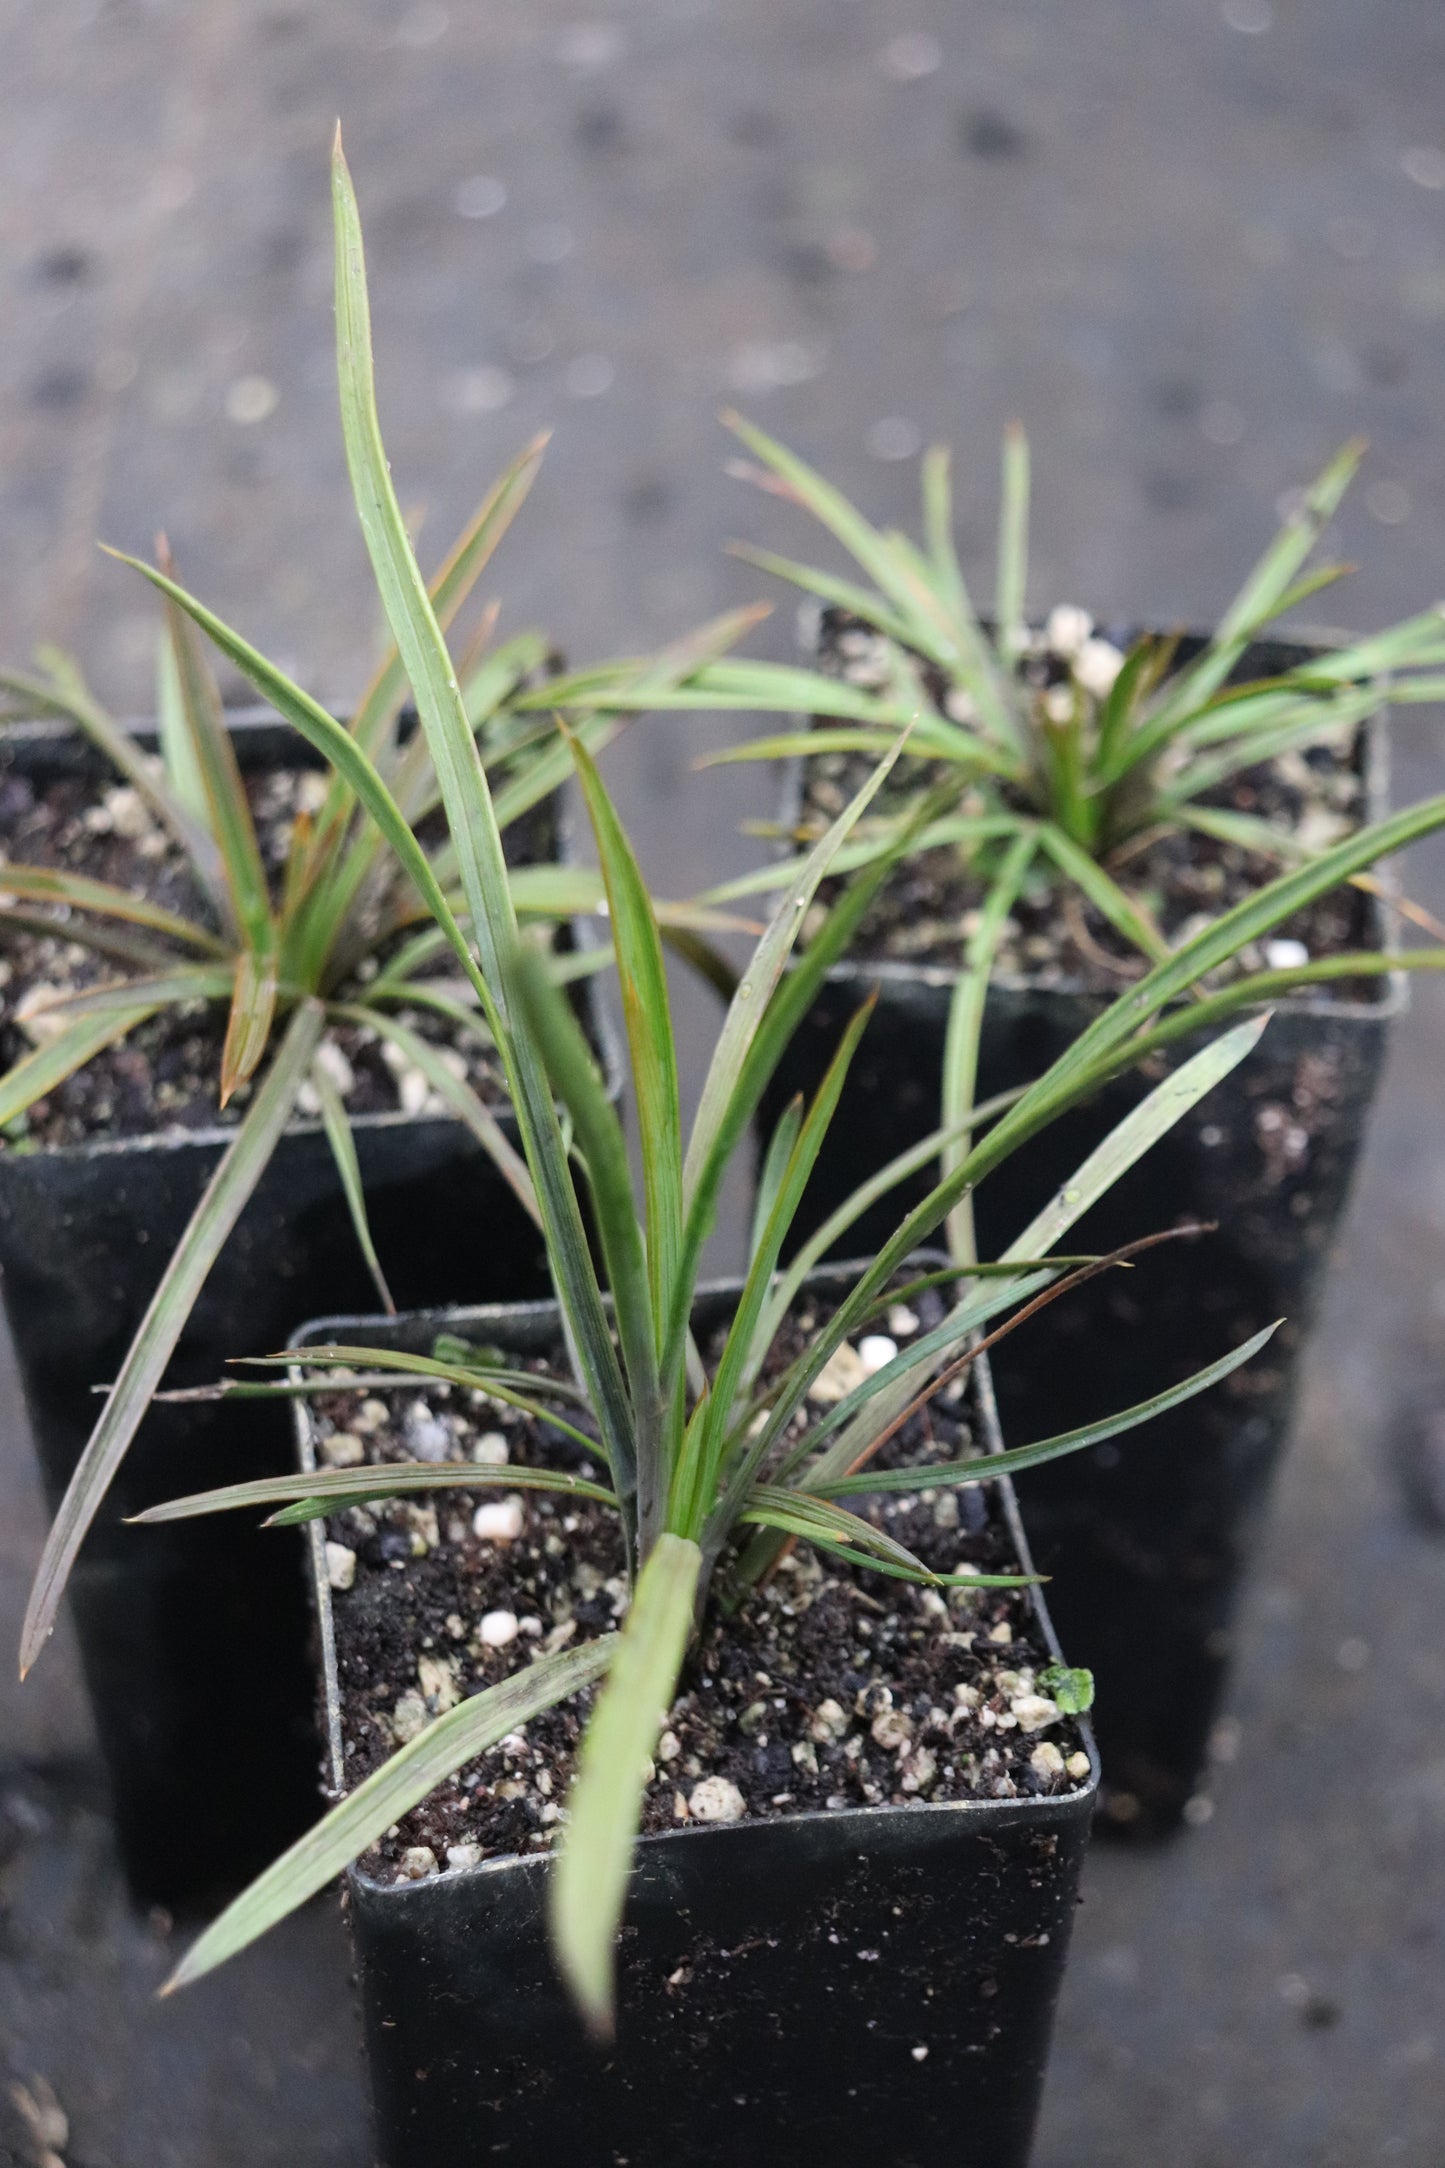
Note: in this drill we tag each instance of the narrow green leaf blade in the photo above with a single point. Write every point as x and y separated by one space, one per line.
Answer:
570 1064
311 721
828 1235
135 951
348 1168
812 1514
742 1353
469 558
1263 986
950 1474
36 1074
937 487
393 1790
183 983
471 817
782 1522
420 644
589 1882
775 1161
327 1490
1103 891
220 1207
846 595
1102 1047
178 754
1246 830
49 884
832 510
799 745
466 1104
1137 1133
765 968
68 695
1165 1105
965 1026
647 1012
228 812
1260 597
248 1028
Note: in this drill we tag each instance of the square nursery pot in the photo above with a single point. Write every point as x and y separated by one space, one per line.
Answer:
193 1647
1148 1537
877 1984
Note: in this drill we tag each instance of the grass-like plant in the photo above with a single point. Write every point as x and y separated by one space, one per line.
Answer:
1051 753
343 936
1050 759
708 1474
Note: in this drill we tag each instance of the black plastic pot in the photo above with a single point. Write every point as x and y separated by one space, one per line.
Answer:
1147 1538
874 1985
194 1648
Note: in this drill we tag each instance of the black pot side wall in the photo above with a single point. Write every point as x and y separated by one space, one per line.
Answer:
776 1988
194 1638
1146 1537
878 1985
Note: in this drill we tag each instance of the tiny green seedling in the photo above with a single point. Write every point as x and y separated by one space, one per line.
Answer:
1071 1690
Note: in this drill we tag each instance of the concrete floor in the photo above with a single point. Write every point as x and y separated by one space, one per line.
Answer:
1194 247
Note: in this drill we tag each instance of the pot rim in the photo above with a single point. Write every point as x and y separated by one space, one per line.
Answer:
252 722
1062 1806
1372 756
267 738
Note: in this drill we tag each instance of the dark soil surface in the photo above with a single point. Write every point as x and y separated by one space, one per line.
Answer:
925 911
164 1074
831 1688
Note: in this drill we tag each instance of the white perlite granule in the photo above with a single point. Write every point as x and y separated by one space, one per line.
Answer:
716 1799
498 1522
340 1566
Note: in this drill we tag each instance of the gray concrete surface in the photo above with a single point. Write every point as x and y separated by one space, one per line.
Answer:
1193 246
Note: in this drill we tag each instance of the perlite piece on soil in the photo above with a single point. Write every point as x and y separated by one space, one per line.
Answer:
343 1449
499 1520
437 1678
716 1799
409 1718
829 1721
340 1566
1034 1711
840 1375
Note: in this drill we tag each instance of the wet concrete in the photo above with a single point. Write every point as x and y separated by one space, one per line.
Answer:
1193 247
